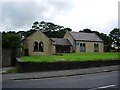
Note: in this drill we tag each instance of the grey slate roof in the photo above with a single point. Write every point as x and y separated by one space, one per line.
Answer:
86 36
61 41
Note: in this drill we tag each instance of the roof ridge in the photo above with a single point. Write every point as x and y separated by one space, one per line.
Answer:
82 32
58 38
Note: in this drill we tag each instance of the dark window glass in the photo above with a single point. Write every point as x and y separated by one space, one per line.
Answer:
82 47
96 48
41 46
35 45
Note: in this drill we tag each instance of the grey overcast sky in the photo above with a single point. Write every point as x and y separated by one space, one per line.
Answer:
97 15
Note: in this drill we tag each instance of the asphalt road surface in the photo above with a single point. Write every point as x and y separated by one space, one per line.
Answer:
90 81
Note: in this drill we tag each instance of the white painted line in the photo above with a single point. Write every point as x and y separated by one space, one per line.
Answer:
102 87
105 70
106 86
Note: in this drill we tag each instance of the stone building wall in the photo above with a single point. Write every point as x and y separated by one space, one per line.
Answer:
38 36
90 46
70 38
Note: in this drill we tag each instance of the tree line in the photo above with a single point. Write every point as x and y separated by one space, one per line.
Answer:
13 39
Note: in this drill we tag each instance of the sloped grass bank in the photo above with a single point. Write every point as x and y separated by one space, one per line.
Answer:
73 57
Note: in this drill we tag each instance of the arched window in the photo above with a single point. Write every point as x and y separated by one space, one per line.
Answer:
41 46
35 46
82 47
96 47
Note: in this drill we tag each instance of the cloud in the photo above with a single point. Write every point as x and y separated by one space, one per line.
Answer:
21 15
100 15
97 15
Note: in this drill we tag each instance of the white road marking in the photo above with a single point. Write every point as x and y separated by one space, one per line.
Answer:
107 86
102 87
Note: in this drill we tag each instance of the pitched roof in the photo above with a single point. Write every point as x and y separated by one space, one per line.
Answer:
86 36
61 41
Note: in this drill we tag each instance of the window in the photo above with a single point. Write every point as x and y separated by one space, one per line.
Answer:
35 45
41 46
96 47
82 47
38 46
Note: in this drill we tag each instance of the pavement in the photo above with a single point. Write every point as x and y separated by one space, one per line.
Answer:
60 73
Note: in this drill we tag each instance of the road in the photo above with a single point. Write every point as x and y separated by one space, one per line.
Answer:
90 81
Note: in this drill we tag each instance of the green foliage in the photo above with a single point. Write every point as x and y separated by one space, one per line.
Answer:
50 29
107 48
12 70
72 56
115 36
11 40
86 30
26 33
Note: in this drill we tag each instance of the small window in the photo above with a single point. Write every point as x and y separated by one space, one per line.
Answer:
96 47
82 47
35 45
41 46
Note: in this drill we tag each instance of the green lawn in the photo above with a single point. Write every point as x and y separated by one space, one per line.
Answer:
72 56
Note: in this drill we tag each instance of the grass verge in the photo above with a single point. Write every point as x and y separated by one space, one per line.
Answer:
12 70
73 57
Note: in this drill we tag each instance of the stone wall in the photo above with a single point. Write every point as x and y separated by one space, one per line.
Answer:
9 56
6 57
62 65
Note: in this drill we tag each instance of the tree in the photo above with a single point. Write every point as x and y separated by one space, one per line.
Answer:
25 34
86 30
50 29
44 26
115 36
11 40
107 41
35 25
